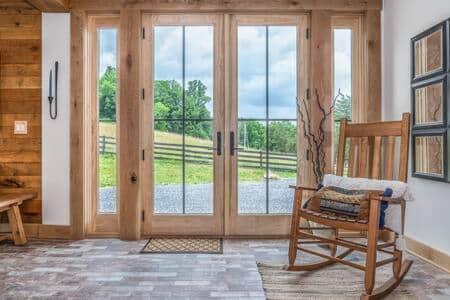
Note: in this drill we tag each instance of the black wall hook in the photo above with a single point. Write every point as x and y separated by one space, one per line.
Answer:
53 114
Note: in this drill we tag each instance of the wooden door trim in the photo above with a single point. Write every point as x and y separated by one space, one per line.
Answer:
78 24
273 224
170 224
230 6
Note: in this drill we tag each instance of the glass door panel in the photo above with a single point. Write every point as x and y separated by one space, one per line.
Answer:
107 116
183 110
267 91
187 135
103 125
266 87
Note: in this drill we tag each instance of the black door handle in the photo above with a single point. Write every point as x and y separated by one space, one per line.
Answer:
218 149
219 143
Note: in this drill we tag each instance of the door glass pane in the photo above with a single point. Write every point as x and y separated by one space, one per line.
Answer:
342 83
168 53
282 72
199 167
183 111
168 167
252 167
252 71
107 103
282 165
199 72
267 126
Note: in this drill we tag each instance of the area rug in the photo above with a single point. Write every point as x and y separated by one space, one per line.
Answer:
333 282
184 245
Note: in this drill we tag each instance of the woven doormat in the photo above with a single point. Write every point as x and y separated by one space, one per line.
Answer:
184 245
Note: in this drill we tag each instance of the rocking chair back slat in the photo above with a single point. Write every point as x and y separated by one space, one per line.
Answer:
341 149
390 153
366 149
352 158
404 149
376 158
363 157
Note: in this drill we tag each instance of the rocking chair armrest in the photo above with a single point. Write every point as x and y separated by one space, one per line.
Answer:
389 200
299 187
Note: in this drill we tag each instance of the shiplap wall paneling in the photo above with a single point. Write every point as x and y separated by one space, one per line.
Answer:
20 100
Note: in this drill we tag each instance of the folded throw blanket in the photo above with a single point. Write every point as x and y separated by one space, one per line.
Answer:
393 213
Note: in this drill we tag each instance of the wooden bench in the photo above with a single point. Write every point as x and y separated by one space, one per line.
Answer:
10 203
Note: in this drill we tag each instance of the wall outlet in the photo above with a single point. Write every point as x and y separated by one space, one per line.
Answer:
20 127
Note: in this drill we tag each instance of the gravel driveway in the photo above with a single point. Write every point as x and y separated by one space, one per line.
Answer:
251 195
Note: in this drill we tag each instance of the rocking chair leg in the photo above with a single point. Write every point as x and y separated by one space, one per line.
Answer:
295 227
397 264
371 257
333 247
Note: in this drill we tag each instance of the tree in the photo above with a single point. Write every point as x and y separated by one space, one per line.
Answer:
168 104
343 109
252 134
107 94
282 137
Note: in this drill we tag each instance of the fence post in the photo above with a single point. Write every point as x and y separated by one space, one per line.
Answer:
103 144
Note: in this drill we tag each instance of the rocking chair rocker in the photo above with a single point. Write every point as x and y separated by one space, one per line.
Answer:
365 160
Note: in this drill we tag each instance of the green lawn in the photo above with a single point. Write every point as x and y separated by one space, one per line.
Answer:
169 171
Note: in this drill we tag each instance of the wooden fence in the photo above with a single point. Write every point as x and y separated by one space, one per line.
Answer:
203 155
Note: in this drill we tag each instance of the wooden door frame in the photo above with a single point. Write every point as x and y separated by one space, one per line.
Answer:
98 224
131 66
171 224
273 224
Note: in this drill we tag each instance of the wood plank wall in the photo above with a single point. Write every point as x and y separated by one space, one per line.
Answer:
20 99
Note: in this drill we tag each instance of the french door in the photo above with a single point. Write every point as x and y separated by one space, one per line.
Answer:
219 122
268 75
183 125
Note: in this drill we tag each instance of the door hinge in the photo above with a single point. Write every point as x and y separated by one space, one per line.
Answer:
143 215
308 33
143 94
143 154
308 94
143 33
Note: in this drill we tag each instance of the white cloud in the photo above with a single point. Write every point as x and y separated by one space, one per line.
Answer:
251 62
343 61
108 49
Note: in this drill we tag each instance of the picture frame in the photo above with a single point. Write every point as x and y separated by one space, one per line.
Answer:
430 102
430 153
429 55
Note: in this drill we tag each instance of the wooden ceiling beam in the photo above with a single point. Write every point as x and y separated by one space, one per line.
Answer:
228 5
50 5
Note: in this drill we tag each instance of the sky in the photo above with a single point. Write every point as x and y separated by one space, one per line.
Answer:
252 77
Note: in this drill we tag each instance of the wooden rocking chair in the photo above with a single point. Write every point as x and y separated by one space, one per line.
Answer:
365 159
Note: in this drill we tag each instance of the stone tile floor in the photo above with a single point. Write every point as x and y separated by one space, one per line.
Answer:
114 269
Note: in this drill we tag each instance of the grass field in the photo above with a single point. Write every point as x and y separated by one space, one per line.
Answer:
169 171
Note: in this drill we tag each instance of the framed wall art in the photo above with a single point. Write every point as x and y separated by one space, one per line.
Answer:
430 91
429 52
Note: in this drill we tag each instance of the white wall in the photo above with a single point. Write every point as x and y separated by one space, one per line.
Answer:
55 133
428 217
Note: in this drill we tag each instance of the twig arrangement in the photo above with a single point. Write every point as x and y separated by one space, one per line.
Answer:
314 139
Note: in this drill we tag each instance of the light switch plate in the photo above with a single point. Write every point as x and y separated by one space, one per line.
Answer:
20 127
